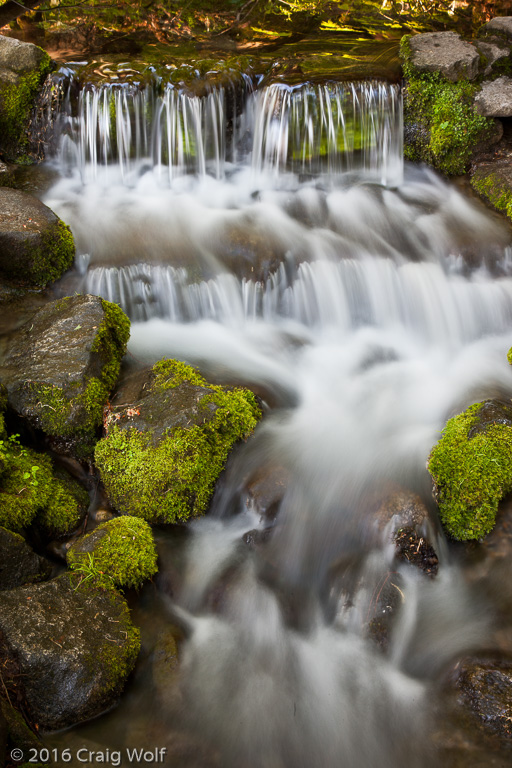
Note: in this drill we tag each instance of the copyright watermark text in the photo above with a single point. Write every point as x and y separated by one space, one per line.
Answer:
111 757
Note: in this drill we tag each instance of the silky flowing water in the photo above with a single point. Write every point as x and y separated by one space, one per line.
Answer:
272 236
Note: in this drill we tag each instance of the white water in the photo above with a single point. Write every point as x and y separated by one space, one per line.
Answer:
366 315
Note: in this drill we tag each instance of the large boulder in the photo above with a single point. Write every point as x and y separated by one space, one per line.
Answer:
471 467
36 247
446 53
495 98
75 647
163 453
23 69
19 564
60 367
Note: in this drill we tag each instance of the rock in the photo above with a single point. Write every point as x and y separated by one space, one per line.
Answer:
493 54
416 550
493 182
471 467
265 489
500 26
23 69
495 98
36 247
75 648
61 365
446 53
121 550
485 688
19 564
164 452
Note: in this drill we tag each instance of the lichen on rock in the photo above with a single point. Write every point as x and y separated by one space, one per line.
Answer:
471 467
162 456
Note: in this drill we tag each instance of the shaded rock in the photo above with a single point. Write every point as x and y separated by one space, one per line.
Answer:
500 26
19 564
495 98
75 648
485 687
36 247
493 182
61 365
164 452
446 53
493 54
257 537
20 57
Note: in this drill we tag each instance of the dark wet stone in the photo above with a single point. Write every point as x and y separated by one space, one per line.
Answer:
257 537
416 550
19 564
491 412
75 648
485 687
265 490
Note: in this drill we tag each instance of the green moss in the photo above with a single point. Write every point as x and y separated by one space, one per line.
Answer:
17 101
111 341
442 127
119 553
54 256
471 474
120 665
23 491
493 188
62 513
175 478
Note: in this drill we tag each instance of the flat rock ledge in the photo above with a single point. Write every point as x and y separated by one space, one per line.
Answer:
74 646
495 98
444 52
36 247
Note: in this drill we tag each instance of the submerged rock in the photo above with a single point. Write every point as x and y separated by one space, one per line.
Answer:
19 564
75 648
485 688
36 247
163 453
23 69
471 467
61 365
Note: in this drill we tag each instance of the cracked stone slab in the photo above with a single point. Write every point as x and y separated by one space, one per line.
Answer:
444 52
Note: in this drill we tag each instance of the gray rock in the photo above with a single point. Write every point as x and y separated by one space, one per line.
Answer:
493 54
495 98
19 564
444 52
20 57
75 648
60 366
36 248
485 688
500 26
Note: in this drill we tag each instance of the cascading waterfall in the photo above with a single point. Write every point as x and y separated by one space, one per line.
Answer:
282 246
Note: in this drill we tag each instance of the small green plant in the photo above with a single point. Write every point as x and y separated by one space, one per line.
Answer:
88 570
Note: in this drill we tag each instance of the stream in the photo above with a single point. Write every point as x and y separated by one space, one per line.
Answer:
272 235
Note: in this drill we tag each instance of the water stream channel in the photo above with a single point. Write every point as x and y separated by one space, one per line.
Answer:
271 235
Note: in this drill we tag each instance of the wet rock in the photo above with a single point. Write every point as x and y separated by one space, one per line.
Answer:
165 664
75 648
446 53
164 452
485 688
19 564
36 247
416 550
257 537
495 98
265 490
61 365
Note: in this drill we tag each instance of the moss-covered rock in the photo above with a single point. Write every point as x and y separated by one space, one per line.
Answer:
36 247
119 553
162 456
75 647
493 182
442 127
23 69
61 365
471 467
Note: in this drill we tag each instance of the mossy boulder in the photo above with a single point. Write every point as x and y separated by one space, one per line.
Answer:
441 125
493 182
29 492
75 648
164 453
471 467
60 367
120 553
23 70
19 564
36 247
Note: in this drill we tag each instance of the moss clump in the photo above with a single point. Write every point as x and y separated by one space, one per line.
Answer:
172 477
53 256
119 665
441 125
472 471
119 553
16 103
494 188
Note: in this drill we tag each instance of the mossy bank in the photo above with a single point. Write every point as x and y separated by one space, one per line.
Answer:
163 455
